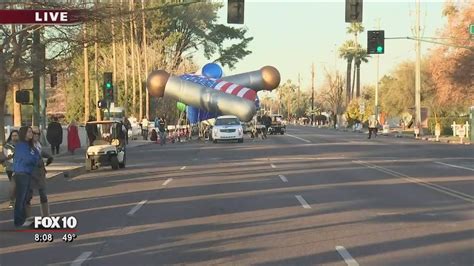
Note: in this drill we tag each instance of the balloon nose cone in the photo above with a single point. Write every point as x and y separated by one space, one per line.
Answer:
271 77
156 82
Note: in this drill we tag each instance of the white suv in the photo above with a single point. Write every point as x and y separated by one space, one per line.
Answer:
227 127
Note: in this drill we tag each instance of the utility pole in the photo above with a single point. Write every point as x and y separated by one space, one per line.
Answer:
418 71
312 93
377 81
299 92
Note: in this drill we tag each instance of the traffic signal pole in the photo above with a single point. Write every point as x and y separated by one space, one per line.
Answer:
377 81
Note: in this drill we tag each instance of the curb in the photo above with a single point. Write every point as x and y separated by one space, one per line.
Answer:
70 173
398 135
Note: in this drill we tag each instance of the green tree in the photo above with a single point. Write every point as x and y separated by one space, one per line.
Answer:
397 92
186 29
287 97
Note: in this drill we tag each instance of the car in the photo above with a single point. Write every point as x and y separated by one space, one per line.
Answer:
109 147
227 127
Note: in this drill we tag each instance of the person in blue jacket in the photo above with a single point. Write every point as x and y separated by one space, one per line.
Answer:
24 162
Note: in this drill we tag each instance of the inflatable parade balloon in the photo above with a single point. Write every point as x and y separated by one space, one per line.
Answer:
266 78
212 70
192 114
181 106
225 96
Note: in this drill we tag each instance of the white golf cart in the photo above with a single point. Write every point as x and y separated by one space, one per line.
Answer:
108 149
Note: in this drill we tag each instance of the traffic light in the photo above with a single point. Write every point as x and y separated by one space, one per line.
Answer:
102 104
235 11
23 96
375 42
353 11
108 87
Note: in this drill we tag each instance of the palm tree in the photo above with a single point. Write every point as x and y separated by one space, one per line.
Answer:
355 28
347 52
359 57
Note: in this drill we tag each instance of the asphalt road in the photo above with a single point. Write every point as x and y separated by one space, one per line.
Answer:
311 197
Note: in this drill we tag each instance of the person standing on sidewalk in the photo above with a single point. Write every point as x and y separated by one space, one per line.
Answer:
38 180
145 128
54 135
162 129
373 123
73 141
24 162
91 130
9 152
128 126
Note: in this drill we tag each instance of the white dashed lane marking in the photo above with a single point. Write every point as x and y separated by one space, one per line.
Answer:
136 208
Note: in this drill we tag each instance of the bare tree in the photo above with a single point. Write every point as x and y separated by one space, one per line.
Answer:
124 63
333 93
132 41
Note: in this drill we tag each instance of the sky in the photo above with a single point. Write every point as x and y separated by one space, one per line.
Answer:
291 35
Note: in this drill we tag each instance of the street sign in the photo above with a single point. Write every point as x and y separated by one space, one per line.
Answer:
461 131
471 29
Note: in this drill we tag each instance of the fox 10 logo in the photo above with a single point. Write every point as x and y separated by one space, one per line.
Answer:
55 222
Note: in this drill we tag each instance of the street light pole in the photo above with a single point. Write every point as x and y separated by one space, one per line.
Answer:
418 71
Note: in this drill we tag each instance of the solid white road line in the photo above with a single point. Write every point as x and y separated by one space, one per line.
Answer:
283 178
167 181
456 166
182 168
436 187
273 166
303 202
136 208
83 257
346 256
305 140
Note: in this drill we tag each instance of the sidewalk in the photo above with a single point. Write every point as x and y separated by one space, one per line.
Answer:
64 165
398 134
